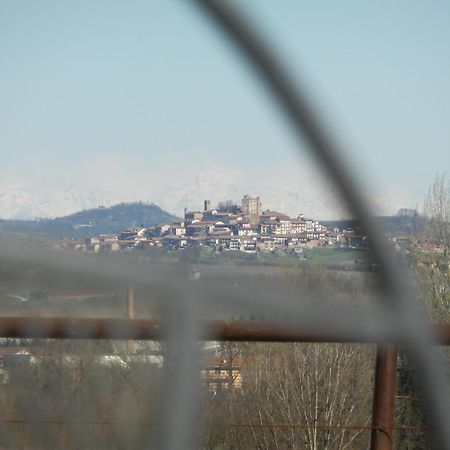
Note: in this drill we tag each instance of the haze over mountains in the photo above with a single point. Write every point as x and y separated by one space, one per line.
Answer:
289 194
25 203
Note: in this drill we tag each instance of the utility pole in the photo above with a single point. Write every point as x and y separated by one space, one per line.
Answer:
130 313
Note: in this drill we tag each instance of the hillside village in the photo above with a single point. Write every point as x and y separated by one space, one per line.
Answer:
229 227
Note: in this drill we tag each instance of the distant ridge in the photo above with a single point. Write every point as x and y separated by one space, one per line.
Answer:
390 224
91 222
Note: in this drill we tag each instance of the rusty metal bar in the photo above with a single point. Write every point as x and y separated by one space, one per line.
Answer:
384 397
220 330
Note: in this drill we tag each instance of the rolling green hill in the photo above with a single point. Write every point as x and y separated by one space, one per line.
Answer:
91 222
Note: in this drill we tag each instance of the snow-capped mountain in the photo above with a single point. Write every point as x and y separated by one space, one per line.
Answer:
277 192
28 203
306 194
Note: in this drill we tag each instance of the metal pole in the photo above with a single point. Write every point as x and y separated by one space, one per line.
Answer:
384 397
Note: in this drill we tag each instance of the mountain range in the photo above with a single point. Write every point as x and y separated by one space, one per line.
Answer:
306 193
29 202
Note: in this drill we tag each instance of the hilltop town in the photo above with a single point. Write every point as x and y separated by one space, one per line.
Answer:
229 227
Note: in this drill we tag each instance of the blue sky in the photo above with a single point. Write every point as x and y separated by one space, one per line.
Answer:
150 90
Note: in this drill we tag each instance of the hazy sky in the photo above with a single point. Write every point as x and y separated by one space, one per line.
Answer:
97 93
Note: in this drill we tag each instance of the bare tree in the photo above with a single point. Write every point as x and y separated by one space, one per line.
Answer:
437 210
433 262
297 396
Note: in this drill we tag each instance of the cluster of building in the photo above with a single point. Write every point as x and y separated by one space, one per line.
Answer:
217 371
247 228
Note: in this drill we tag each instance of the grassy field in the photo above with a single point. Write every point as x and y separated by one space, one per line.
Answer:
328 256
37 291
331 256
